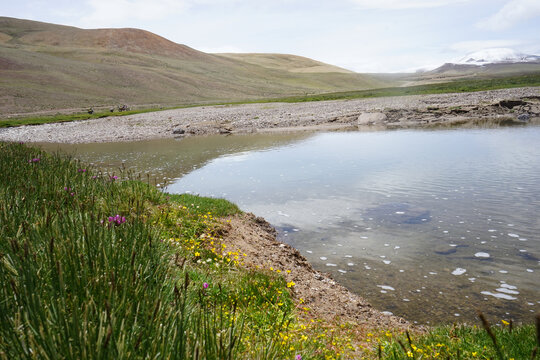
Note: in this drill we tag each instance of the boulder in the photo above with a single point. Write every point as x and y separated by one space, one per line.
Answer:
371 119
524 117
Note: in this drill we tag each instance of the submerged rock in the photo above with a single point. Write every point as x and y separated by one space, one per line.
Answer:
524 117
399 213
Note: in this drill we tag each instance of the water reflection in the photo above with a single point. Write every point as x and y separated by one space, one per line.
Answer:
429 225
168 159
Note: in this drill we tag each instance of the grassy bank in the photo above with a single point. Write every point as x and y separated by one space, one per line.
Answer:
94 266
471 85
99 266
441 88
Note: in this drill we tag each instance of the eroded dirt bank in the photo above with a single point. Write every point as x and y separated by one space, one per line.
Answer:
498 107
315 291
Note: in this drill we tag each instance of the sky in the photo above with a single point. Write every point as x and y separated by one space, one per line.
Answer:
360 35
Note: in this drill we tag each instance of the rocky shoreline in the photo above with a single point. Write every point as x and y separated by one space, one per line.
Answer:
486 108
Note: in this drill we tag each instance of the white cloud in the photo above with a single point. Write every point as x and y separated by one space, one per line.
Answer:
405 4
511 14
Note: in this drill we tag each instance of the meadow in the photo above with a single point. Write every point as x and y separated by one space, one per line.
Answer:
97 265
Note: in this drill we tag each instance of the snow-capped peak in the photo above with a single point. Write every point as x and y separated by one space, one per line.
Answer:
496 56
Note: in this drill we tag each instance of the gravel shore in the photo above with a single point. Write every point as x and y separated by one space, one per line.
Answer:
507 106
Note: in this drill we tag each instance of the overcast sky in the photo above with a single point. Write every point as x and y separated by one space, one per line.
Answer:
361 35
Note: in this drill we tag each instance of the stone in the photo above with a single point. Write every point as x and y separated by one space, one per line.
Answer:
524 117
179 131
371 118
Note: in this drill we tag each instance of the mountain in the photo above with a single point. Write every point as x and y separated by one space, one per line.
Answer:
497 56
483 64
48 67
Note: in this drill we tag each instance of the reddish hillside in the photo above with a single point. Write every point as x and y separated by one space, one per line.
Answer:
131 40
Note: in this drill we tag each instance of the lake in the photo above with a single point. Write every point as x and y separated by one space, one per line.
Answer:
428 225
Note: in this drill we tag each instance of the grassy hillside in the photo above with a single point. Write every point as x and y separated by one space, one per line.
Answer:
48 67
287 62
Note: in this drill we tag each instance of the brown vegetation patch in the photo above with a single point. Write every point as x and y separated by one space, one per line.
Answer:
7 64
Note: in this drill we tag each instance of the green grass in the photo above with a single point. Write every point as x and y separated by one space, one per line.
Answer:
58 118
76 284
465 342
471 85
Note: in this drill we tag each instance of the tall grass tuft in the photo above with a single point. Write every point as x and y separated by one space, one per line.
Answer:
76 284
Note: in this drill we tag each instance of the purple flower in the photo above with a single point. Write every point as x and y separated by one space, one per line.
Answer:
81 170
34 160
298 357
205 285
114 177
117 220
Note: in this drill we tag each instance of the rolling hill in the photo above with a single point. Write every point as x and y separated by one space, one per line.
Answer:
291 63
47 67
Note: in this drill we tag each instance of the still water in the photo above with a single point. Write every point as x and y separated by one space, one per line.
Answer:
429 225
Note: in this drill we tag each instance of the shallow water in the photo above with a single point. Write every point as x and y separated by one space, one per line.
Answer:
429 225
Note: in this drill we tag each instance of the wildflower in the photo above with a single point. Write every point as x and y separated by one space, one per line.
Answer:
298 357
34 160
290 284
117 220
205 285
505 322
81 170
114 177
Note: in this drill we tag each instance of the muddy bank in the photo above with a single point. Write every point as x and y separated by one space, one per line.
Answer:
318 296
485 108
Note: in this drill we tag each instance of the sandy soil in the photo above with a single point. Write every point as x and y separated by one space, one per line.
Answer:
508 106
324 297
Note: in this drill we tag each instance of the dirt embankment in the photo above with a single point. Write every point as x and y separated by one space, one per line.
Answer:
485 108
323 297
